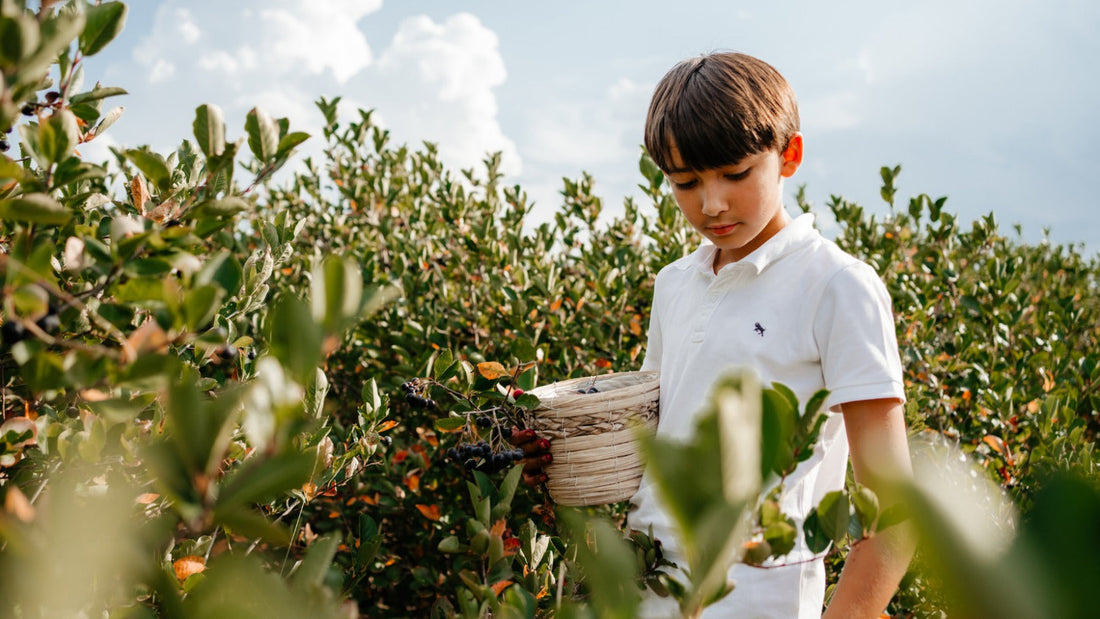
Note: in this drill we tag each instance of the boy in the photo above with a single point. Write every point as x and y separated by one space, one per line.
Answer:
769 293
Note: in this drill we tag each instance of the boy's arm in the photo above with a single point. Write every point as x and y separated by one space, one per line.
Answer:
880 453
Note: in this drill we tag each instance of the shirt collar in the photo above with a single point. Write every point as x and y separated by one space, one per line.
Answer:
790 238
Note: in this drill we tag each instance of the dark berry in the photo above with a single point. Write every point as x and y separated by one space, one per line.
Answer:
230 352
13 332
452 454
505 432
386 440
484 422
28 109
470 464
72 411
49 323
52 96
517 454
5 145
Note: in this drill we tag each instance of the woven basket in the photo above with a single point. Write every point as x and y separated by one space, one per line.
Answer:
596 454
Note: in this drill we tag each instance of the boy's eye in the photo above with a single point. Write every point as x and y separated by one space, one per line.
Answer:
685 184
739 175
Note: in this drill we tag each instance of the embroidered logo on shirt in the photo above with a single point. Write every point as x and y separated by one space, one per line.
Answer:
759 329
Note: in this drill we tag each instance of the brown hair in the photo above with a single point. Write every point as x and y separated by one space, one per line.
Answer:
718 109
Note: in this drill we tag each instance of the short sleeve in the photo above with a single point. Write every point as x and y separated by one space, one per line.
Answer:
653 348
856 338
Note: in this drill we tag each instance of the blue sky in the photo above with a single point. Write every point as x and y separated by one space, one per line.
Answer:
988 102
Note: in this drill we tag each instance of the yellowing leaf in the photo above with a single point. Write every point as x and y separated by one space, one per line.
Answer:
499 587
186 566
431 512
491 370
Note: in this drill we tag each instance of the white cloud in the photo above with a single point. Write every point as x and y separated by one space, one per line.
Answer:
439 80
317 36
161 70
587 133
296 37
186 26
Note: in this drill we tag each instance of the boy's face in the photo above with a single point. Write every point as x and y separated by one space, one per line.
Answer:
739 206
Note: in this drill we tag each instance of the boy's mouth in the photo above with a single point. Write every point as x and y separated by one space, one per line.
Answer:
722 230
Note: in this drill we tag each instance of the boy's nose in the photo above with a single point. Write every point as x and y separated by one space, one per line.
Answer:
714 203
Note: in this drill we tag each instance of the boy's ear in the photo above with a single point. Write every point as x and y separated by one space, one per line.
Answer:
791 157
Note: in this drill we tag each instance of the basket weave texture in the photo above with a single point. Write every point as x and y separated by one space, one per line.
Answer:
597 459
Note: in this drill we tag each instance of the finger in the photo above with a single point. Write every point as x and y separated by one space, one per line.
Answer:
535 463
521 437
534 479
536 447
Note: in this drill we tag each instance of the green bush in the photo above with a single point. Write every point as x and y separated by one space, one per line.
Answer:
207 366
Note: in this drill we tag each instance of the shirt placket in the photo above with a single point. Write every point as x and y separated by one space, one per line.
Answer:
726 280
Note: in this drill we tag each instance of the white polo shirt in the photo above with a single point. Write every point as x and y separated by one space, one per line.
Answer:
798 311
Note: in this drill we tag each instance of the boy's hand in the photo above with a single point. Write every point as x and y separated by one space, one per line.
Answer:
536 455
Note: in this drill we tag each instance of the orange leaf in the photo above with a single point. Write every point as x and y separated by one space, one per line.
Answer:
491 370
995 443
498 528
400 456
603 363
431 512
370 500
555 306
412 481
636 325
191 564
387 425
498 587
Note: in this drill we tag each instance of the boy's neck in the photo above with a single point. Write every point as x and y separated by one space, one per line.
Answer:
729 256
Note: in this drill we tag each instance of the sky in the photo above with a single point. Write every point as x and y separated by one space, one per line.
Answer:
987 102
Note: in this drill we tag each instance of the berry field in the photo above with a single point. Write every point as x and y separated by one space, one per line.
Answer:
227 396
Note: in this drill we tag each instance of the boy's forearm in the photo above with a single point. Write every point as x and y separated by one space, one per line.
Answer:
872 571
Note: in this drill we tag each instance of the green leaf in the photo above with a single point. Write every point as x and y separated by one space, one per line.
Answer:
18 38
152 165
200 304
58 136
311 571
337 293
833 513
97 93
450 545
35 208
450 424
247 523
56 35
263 134
224 270
866 507
370 540
119 410
507 490
289 142
223 207
263 480
209 129
294 337
817 540
102 24
10 169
